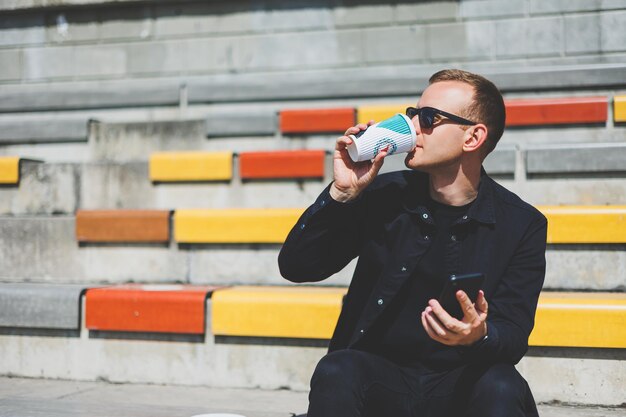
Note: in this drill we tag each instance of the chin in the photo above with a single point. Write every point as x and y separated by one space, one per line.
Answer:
411 162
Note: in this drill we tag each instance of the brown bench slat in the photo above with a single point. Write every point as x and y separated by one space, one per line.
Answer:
123 226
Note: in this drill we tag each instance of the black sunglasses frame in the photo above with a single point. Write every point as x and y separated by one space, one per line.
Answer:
427 116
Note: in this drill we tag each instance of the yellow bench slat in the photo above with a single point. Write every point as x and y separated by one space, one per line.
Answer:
293 312
619 108
234 225
563 319
585 224
580 320
191 166
378 113
9 169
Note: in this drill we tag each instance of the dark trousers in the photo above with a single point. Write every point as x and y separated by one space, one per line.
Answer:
351 383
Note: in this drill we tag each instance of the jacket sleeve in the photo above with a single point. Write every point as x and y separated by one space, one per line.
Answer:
323 241
512 307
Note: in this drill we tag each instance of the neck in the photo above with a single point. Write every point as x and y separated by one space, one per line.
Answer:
455 187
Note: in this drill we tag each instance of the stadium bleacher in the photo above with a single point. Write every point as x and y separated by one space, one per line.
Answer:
143 247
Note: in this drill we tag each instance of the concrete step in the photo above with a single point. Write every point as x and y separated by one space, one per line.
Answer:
36 248
62 188
266 363
125 134
44 248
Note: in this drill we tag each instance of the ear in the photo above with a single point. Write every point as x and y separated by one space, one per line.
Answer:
475 138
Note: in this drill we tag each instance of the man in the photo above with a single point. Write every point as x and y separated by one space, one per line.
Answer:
395 351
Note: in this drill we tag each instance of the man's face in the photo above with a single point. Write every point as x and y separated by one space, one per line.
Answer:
440 146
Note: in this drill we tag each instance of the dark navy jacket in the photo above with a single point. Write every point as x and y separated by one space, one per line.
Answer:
388 228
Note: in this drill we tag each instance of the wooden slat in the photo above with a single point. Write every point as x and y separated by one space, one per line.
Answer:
580 320
335 120
378 113
123 226
9 169
556 111
234 225
283 164
585 224
293 312
147 308
619 109
191 166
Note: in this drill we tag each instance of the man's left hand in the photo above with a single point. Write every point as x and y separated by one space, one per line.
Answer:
445 329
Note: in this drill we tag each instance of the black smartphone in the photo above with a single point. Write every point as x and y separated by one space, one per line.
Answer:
470 283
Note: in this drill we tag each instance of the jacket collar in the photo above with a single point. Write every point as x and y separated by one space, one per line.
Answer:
416 195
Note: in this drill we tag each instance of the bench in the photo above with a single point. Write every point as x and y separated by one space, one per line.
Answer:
563 319
330 120
41 305
43 129
288 312
191 166
522 112
260 122
619 109
10 167
566 225
281 164
576 159
594 320
234 225
176 309
556 111
585 224
131 226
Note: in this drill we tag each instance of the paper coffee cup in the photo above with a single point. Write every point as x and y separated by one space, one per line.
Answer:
397 133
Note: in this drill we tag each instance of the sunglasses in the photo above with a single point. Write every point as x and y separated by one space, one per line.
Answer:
428 116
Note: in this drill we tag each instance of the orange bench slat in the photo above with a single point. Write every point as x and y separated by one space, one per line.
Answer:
334 120
123 225
282 164
556 111
147 308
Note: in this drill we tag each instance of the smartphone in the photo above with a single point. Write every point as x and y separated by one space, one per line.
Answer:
470 283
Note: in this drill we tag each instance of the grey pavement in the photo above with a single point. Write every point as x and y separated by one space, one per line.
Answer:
23 397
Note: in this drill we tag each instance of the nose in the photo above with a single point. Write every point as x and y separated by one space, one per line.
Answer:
416 124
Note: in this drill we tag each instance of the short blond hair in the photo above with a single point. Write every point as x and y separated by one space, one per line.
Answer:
487 103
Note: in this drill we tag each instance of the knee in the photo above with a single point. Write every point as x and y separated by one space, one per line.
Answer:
337 367
500 382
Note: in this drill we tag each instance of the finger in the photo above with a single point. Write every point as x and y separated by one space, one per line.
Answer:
429 331
469 312
436 325
371 122
342 142
379 160
356 129
481 303
446 319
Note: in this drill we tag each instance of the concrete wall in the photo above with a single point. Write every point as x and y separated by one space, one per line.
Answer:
100 54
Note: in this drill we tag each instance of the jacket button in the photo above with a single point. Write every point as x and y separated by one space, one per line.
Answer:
453 238
425 215
302 226
403 268
380 301
465 217
322 202
362 331
426 237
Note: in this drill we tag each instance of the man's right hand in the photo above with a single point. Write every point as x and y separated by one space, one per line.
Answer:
352 177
